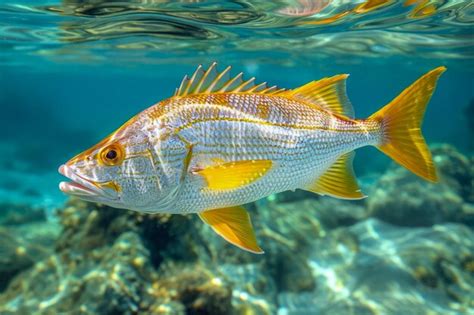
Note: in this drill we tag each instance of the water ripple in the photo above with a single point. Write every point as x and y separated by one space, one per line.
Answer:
158 31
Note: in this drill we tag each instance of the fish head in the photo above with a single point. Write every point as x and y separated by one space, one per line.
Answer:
121 171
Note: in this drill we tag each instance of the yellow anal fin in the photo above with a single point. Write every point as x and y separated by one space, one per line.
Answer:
339 180
328 93
234 225
233 175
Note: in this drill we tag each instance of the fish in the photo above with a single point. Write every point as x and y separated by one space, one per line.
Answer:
221 142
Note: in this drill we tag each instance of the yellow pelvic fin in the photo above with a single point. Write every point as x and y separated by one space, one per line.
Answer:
401 120
234 225
233 175
328 93
211 81
339 180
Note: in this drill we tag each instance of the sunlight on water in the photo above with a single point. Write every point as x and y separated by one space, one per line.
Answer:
165 31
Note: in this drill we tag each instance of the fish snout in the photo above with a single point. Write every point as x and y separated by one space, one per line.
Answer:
85 188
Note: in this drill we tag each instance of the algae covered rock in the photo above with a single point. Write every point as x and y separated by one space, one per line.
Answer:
14 257
200 289
402 198
25 238
322 256
116 261
115 280
109 261
15 214
376 268
456 169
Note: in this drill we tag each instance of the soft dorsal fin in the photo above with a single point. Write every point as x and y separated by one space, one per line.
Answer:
328 93
233 175
339 180
211 81
234 225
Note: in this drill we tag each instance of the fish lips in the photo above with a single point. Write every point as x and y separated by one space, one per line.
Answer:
84 188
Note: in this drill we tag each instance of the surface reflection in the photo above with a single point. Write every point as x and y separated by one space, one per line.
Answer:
77 30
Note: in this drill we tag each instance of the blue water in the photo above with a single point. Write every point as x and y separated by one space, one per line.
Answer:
51 115
71 72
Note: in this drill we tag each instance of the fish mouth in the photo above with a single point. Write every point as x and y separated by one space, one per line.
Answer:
83 188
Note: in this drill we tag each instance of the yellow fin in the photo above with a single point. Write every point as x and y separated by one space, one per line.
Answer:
234 225
232 175
212 81
339 180
401 126
328 93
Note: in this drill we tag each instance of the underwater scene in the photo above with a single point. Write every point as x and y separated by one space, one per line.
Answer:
140 174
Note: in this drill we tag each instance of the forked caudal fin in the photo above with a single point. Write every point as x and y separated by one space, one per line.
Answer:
401 126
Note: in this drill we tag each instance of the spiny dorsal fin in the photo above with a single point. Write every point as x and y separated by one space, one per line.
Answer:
234 225
212 81
328 93
339 180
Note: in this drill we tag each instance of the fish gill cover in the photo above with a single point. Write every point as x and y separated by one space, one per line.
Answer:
73 71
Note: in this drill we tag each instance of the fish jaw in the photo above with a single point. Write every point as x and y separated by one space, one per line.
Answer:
84 188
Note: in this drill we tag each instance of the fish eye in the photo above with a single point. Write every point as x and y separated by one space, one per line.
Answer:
112 155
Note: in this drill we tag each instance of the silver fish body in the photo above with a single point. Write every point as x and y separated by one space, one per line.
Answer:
301 141
221 142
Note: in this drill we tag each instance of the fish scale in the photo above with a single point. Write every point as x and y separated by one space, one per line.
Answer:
247 137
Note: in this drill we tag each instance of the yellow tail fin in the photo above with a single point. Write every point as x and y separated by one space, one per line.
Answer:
401 124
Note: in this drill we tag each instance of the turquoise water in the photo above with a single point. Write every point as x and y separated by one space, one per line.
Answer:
73 71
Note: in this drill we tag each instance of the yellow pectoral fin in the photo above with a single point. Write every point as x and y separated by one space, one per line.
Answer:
232 175
339 180
234 225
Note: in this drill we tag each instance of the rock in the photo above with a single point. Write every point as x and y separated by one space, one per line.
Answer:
108 280
25 238
16 214
376 268
456 170
110 261
13 257
287 230
201 290
254 290
334 213
403 199
322 256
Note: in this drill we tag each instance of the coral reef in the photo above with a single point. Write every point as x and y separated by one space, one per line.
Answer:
405 249
108 261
